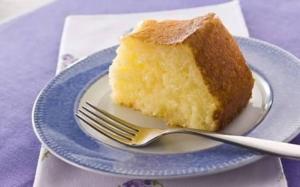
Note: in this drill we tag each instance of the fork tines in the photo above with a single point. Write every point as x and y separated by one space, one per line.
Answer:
107 124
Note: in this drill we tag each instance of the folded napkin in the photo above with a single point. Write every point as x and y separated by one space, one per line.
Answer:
84 35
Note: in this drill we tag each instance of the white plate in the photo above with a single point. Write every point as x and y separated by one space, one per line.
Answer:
55 124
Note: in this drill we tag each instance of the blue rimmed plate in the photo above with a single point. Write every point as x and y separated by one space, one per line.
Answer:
272 113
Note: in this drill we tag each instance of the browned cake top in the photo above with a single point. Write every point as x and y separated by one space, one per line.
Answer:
170 31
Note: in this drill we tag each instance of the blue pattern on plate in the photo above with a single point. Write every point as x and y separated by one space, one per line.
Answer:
56 127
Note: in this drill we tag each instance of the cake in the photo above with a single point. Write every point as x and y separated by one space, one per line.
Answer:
190 73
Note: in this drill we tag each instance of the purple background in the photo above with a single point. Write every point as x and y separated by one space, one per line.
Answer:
28 57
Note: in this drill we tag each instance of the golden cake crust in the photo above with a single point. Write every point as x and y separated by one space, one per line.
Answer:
217 55
170 31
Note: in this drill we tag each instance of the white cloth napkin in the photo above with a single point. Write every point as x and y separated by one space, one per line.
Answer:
84 35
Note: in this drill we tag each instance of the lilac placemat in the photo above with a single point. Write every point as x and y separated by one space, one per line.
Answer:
29 47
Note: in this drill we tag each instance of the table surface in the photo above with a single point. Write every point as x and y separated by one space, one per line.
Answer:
10 9
29 48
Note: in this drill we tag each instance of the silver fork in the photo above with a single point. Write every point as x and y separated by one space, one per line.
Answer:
132 135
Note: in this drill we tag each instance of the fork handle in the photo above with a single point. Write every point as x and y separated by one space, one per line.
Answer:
275 148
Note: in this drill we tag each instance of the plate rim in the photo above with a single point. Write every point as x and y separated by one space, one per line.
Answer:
244 162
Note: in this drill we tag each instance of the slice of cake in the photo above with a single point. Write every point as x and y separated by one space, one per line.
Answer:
190 73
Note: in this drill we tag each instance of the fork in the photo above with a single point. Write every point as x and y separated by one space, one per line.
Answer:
132 135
